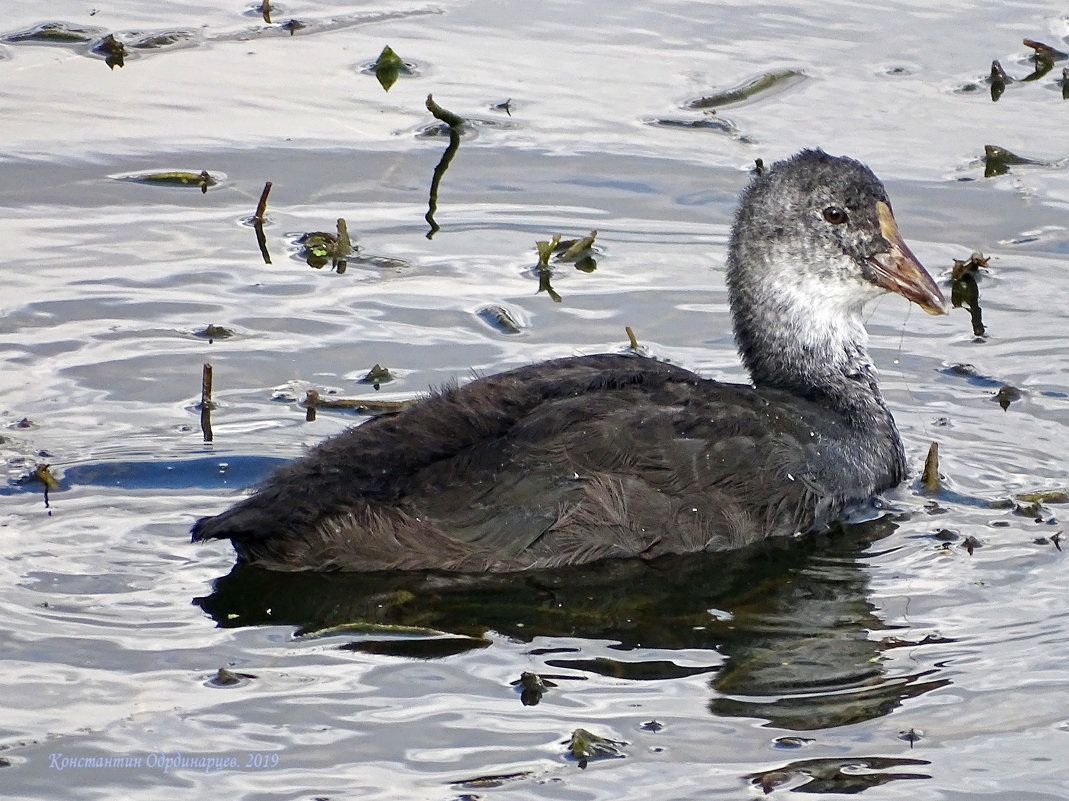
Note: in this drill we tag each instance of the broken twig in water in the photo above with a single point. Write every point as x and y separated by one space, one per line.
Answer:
206 404
261 207
456 124
313 400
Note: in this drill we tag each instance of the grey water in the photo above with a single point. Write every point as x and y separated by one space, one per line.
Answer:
920 654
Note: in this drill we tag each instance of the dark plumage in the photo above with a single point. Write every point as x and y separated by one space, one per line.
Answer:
593 457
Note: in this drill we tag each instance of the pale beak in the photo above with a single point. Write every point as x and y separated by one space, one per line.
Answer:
897 270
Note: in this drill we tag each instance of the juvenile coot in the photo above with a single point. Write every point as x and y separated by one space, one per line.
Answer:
585 458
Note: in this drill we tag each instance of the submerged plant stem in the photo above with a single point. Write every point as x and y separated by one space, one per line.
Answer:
455 124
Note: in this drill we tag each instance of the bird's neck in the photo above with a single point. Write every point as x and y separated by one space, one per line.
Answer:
817 353
825 360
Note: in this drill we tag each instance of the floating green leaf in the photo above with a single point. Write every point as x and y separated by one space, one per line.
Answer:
781 79
545 250
584 746
574 248
202 179
377 375
388 67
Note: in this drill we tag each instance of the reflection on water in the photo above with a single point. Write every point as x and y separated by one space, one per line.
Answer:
785 623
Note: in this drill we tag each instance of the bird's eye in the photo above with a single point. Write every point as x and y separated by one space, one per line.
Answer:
835 215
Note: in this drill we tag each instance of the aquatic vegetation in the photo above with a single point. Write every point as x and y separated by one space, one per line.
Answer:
964 291
500 318
998 160
456 125
778 80
388 67
377 375
584 746
61 33
202 179
320 247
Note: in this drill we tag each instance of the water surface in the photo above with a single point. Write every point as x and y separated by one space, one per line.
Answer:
884 657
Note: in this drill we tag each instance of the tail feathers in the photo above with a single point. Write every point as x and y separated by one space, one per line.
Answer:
235 523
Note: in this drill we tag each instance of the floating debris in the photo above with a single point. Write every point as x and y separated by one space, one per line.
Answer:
456 124
500 318
532 687
837 775
710 122
439 113
202 179
545 250
506 107
911 736
1045 51
1045 496
964 290
792 742
167 40
1006 395
61 33
257 221
998 160
112 49
930 478
388 67
1043 58
369 627
579 251
377 375
313 400
214 332
317 247
998 80
343 248
206 404
780 79
293 26
229 678
320 247
261 207
573 249
487 782
585 746
43 474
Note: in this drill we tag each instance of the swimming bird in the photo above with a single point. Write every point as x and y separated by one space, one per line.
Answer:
608 456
